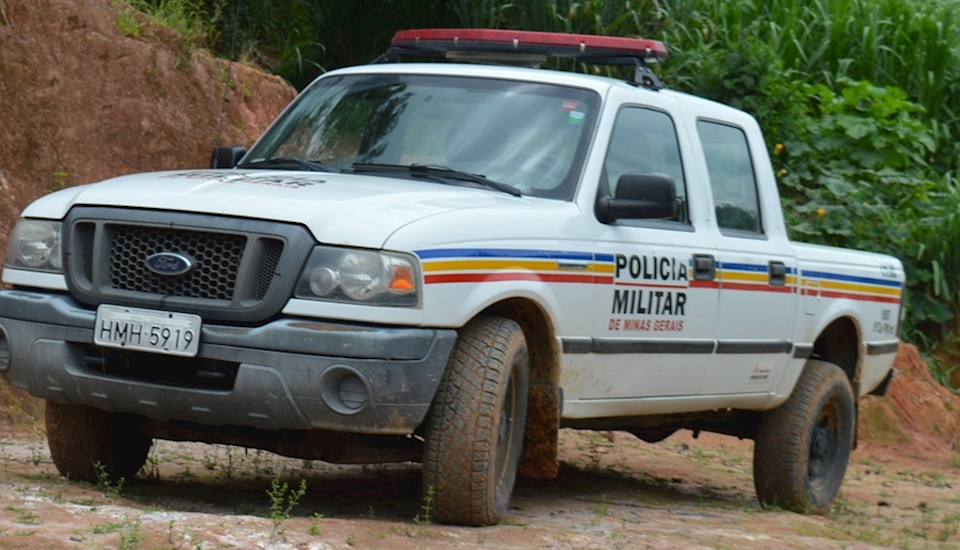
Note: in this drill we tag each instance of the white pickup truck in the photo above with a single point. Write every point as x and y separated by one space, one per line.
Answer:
447 263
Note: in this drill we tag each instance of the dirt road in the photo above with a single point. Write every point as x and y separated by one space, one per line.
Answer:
614 491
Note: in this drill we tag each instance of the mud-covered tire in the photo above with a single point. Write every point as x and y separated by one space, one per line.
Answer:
474 430
86 443
803 446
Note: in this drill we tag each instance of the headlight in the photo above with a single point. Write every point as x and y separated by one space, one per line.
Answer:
35 244
364 276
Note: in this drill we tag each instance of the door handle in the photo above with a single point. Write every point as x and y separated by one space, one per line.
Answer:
704 267
778 274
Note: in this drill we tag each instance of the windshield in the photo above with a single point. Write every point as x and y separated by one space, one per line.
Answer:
529 136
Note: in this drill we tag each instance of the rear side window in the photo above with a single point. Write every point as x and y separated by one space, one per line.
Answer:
732 179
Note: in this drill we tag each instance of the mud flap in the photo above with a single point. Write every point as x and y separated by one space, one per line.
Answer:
540 457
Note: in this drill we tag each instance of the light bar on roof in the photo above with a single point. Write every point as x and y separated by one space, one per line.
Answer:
530 42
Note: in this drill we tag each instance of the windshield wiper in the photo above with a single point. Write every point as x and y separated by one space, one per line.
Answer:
280 162
435 171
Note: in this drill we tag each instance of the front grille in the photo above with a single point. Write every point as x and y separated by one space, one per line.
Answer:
271 257
217 258
86 232
242 271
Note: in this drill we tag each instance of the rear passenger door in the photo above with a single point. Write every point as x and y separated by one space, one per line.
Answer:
756 273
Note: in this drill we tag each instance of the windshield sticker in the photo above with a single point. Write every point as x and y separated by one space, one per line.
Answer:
576 118
569 104
284 181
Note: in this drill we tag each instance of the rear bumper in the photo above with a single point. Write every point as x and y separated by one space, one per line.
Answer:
288 374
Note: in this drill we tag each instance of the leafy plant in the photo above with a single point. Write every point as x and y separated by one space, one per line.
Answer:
131 537
111 488
426 517
283 500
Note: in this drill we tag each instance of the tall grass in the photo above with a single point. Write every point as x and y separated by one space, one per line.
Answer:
911 44
191 20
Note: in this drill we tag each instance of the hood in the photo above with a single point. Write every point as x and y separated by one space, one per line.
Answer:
346 209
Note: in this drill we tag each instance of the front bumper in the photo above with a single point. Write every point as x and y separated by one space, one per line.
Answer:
291 373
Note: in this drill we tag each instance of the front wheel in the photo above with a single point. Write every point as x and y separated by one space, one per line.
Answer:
803 446
87 443
474 430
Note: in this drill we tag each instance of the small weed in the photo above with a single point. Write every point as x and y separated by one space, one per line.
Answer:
934 479
24 516
89 501
230 467
132 537
186 473
602 507
36 455
109 527
283 500
841 507
948 527
128 21
315 524
955 461
427 517
351 540
110 488
210 460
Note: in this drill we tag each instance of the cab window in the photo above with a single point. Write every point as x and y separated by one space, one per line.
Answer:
732 179
644 141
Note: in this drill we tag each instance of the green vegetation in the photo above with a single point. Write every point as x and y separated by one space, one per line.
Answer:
283 500
112 488
859 99
426 518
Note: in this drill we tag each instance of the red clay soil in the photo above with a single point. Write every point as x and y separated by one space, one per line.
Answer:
82 102
918 417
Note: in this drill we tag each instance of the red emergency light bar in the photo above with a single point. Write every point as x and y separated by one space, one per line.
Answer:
530 42
529 48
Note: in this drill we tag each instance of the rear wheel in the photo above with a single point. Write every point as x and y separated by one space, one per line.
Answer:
87 443
474 430
803 446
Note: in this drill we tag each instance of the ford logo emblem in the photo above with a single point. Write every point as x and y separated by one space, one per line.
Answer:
168 263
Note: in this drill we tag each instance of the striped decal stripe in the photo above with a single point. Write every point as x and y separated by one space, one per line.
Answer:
479 265
467 265
514 276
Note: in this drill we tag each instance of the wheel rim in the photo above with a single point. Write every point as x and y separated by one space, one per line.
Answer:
824 445
506 431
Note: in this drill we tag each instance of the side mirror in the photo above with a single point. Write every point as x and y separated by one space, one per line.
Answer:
227 156
640 196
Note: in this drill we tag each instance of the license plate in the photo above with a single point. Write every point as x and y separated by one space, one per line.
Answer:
148 330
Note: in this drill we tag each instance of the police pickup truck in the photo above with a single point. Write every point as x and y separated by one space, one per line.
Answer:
448 262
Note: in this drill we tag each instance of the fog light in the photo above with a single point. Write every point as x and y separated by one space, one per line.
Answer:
345 390
352 393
